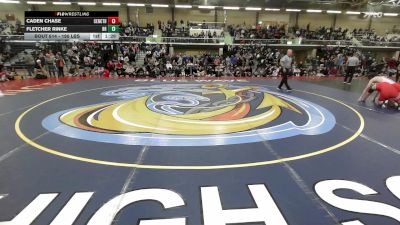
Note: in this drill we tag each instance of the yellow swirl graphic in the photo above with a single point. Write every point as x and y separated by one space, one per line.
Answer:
133 116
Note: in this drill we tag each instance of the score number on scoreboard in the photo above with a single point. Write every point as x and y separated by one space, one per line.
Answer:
71 25
113 26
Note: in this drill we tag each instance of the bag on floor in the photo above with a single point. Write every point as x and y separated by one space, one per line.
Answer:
71 70
40 76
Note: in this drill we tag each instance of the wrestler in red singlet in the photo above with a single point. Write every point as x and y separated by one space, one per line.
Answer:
387 91
397 98
397 86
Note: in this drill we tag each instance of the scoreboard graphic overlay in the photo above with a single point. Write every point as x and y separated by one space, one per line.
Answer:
75 25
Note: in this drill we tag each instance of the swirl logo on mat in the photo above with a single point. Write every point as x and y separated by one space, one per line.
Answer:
192 115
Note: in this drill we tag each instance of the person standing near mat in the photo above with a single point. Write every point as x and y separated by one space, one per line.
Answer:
351 64
286 64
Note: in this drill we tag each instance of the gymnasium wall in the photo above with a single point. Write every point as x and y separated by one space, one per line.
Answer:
351 22
194 15
315 20
271 18
240 17
152 15
121 10
381 25
157 14
17 10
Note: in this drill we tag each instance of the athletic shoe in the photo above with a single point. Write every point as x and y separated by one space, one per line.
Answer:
348 83
344 82
385 104
289 90
279 89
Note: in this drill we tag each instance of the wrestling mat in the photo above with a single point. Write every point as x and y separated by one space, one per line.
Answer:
197 152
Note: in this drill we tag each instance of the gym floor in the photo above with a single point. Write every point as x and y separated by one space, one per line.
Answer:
126 151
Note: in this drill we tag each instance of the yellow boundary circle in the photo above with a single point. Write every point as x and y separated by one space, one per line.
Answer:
163 167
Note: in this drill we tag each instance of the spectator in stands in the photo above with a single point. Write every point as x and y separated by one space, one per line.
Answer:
12 75
29 62
75 61
370 37
60 63
87 65
110 67
268 32
17 24
39 71
3 74
50 64
42 60
130 71
106 73
398 73
392 66
133 29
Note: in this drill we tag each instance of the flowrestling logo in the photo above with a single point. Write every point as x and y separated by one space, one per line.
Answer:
191 115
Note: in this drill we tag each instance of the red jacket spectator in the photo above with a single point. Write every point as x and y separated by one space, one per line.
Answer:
392 64
119 65
106 73
110 65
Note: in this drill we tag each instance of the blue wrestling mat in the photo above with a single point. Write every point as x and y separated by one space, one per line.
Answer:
215 152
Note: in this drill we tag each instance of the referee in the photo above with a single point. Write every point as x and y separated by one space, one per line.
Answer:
352 64
286 64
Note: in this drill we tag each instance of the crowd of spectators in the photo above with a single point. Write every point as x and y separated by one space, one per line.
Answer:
87 59
321 33
207 34
159 63
331 61
257 32
174 31
4 57
78 59
132 29
278 32
112 60
120 60
7 28
256 60
372 36
3 27
173 28
180 28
